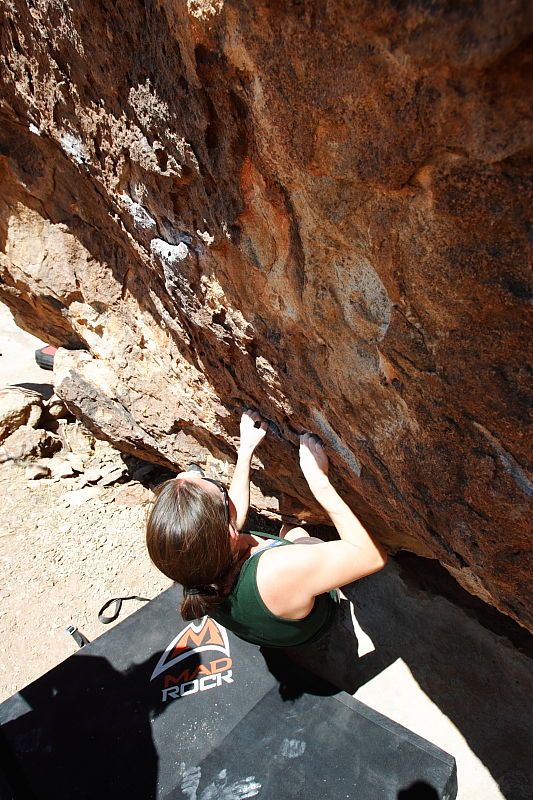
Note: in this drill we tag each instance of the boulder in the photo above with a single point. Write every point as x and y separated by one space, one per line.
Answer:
18 407
321 213
27 442
55 407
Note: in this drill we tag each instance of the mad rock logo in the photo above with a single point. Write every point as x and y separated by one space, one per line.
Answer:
185 670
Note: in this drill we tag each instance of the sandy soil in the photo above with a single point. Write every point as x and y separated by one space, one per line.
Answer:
58 567
59 563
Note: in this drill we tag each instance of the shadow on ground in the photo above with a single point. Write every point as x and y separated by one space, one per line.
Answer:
479 680
66 707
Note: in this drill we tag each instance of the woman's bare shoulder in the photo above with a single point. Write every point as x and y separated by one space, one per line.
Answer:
310 571
278 585
288 564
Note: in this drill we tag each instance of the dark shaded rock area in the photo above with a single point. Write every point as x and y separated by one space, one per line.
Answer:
316 209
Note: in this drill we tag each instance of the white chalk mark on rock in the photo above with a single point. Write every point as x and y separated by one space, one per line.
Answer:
171 254
293 748
204 9
74 148
206 237
140 215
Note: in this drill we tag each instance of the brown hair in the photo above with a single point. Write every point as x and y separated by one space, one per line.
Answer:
188 540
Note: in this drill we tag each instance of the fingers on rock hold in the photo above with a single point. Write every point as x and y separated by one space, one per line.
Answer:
307 438
253 414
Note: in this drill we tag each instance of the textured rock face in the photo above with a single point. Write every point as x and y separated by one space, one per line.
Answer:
317 209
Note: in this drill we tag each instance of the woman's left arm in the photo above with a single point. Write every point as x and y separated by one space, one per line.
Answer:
250 437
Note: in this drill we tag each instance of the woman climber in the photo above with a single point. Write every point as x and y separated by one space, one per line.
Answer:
253 583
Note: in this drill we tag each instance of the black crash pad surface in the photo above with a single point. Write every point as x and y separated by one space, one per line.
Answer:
156 709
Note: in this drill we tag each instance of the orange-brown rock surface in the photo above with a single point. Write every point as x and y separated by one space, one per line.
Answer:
314 208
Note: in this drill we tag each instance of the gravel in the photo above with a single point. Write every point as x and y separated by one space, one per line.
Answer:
59 563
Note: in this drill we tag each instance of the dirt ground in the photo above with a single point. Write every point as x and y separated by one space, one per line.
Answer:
59 562
59 565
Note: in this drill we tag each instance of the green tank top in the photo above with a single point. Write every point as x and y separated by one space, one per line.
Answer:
244 612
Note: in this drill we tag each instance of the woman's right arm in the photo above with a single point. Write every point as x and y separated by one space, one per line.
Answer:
314 464
329 565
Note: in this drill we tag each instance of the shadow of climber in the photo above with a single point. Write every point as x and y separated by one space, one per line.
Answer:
331 662
85 730
418 791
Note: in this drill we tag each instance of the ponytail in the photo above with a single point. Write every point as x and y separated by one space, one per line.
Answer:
200 601
188 541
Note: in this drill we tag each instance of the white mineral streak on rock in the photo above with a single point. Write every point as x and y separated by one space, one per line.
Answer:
153 157
206 237
267 373
170 254
334 441
34 129
138 193
148 106
292 748
140 215
212 288
204 9
74 148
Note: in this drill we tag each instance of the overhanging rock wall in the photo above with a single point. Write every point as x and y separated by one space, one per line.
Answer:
317 209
